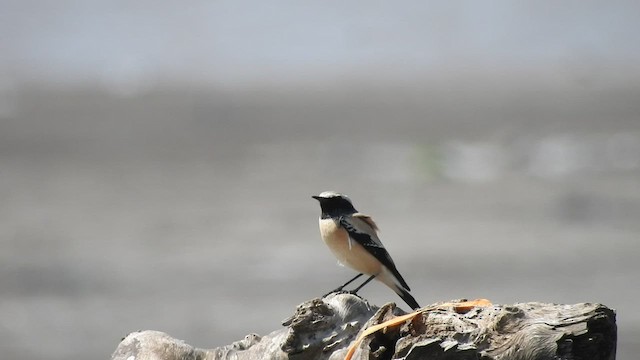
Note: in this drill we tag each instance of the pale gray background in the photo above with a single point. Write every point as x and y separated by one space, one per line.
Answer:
157 160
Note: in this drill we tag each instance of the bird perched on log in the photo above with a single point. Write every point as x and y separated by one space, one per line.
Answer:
353 239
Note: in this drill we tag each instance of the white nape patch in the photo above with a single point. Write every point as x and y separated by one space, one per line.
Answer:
333 194
329 194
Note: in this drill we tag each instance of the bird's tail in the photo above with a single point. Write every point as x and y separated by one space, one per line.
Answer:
408 298
388 279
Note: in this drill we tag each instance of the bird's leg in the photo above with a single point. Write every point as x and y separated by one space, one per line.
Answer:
339 288
362 285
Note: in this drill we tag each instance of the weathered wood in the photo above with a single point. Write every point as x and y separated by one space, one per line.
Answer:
325 328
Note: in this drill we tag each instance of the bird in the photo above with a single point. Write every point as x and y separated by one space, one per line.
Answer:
353 239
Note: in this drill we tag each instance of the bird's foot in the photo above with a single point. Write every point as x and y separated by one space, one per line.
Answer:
335 291
342 292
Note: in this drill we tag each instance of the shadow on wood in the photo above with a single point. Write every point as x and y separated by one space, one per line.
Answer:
326 328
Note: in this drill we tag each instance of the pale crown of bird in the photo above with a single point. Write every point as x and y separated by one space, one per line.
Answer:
332 194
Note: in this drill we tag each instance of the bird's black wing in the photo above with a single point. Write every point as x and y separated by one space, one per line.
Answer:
360 231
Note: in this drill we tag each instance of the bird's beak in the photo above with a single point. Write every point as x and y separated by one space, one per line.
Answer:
316 197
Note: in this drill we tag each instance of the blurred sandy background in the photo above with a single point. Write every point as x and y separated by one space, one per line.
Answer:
157 161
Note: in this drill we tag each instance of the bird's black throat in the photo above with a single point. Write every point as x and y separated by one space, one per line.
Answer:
335 207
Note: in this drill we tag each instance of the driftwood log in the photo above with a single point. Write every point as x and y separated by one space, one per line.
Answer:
326 328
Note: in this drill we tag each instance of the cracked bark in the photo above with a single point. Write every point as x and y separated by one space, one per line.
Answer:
325 328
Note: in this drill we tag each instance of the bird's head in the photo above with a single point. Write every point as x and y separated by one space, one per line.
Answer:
334 204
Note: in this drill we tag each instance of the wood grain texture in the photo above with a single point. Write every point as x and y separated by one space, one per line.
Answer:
325 328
